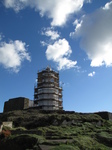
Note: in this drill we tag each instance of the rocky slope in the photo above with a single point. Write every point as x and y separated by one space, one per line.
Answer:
56 130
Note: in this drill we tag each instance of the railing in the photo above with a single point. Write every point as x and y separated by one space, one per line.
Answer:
46 97
48 85
50 90
60 99
50 102
51 69
60 94
49 75
48 82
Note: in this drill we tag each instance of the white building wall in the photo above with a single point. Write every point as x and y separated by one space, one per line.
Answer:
48 90
31 103
49 108
48 96
47 102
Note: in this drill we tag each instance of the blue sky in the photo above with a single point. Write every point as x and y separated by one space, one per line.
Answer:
72 36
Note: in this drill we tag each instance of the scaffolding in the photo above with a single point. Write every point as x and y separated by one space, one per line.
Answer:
47 92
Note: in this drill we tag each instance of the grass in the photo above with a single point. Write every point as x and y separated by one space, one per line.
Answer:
65 147
19 129
80 131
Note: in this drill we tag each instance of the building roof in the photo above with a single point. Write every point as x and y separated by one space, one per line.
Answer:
48 69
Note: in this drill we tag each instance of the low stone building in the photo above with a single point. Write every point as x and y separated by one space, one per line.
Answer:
18 103
7 124
47 94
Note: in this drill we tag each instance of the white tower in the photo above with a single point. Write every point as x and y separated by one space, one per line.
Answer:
48 93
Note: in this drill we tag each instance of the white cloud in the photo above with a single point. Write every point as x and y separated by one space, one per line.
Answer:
91 74
17 5
107 6
51 33
57 10
12 54
43 43
59 52
95 32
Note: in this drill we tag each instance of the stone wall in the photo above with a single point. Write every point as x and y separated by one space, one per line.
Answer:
1 126
18 103
105 115
7 124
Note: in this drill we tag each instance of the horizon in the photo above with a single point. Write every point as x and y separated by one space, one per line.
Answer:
73 37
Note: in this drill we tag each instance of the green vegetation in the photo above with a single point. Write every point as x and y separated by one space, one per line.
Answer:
65 147
34 130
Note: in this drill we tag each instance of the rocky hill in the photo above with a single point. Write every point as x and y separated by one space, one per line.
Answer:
56 130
